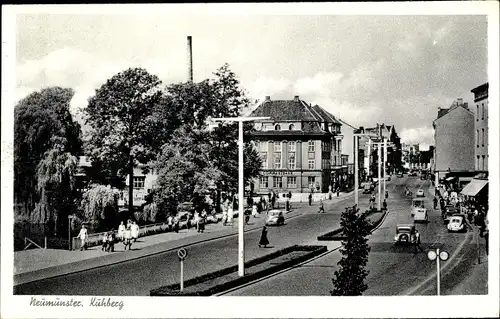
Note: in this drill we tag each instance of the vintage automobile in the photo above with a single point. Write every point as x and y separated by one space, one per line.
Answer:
405 234
416 203
420 193
449 210
457 223
420 215
275 217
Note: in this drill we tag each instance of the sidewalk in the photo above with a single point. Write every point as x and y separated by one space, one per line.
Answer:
476 282
36 264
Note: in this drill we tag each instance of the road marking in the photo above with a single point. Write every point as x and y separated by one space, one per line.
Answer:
443 269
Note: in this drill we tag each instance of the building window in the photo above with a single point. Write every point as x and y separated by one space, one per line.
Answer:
277 147
477 139
291 146
277 182
482 117
277 127
477 112
310 164
291 182
264 182
311 180
311 146
483 163
482 136
310 155
263 156
477 163
291 127
263 146
291 160
138 181
277 160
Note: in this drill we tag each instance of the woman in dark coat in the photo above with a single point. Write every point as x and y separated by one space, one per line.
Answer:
263 238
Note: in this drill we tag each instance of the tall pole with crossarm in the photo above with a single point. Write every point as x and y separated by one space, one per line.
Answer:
241 186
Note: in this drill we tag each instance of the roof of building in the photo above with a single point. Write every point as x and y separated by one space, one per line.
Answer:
481 88
442 112
293 110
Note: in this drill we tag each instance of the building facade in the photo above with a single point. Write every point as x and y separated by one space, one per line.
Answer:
454 139
481 127
299 145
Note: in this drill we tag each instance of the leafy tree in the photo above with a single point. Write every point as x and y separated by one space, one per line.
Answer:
349 279
56 186
38 118
184 168
99 206
123 123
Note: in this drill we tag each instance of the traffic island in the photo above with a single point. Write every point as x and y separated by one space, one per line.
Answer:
375 217
228 278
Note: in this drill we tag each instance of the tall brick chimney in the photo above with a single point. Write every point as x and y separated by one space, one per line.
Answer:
268 98
190 58
460 101
296 98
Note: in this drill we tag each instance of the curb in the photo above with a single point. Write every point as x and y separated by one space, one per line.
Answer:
80 265
334 235
173 290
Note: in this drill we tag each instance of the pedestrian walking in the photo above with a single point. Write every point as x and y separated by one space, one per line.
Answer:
170 221
263 238
83 234
384 204
127 237
104 240
111 241
135 231
435 202
310 198
201 225
321 207
176 224
417 242
255 213
121 231
386 194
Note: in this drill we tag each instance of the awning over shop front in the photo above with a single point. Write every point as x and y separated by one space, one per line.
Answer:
474 187
450 178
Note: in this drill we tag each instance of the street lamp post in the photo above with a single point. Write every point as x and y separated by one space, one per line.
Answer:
241 223
438 256
357 133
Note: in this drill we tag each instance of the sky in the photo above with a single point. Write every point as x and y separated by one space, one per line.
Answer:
395 70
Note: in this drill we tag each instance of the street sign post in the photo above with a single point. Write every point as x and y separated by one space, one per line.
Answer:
438 256
182 253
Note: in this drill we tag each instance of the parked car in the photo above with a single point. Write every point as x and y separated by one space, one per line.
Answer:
420 193
275 217
405 234
449 210
457 223
214 218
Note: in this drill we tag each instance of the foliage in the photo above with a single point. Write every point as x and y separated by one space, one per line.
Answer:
99 205
40 120
349 279
195 158
122 116
55 185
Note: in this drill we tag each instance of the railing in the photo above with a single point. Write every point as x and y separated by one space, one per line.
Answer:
28 242
95 239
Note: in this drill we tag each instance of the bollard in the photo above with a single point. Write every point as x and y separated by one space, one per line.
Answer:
45 247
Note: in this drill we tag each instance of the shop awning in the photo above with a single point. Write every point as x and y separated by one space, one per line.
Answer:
474 187
465 179
450 178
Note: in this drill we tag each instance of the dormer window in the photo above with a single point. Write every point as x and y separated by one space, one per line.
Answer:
291 127
277 127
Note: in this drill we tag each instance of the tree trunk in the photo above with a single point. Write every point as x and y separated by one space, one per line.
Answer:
131 185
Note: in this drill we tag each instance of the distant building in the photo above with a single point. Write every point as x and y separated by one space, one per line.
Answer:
142 184
481 127
300 145
394 157
454 138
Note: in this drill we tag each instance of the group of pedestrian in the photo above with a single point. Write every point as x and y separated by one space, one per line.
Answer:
128 234
108 241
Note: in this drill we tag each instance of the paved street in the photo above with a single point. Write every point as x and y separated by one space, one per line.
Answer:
393 270
137 277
